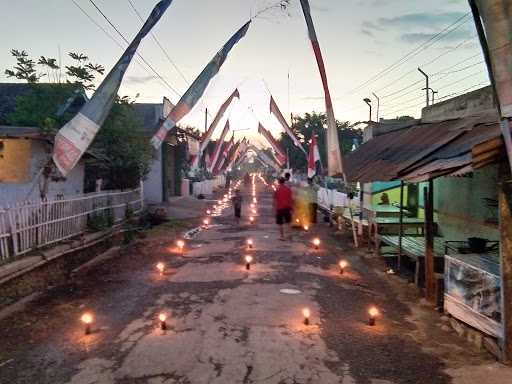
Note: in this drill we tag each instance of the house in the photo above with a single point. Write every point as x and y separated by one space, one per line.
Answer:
25 151
449 225
167 169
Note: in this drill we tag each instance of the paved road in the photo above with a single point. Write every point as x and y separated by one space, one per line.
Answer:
229 325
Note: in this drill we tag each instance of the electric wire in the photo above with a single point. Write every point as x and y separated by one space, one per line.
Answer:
138 54
153 35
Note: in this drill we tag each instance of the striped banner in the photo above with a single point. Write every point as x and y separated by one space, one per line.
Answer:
225 154
334 159
205 140
274 109
196 90
280 154
218 147
76 136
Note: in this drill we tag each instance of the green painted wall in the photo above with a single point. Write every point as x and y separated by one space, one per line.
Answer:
461 209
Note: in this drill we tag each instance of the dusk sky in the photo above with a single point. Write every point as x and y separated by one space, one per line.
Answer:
359 38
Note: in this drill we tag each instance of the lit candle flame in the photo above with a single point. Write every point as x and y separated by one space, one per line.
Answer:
162 317
180 244
316 242
248 259
87 318
343 264
160 267
373 312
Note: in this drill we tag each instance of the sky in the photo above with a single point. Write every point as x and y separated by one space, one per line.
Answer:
359 39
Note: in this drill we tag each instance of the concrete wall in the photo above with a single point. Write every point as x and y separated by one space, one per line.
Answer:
153 188
462 106
12 192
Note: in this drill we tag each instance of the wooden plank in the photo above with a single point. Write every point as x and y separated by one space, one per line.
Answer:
429 242
505 212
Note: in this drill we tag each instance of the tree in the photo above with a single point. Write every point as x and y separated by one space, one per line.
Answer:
121 153
305 126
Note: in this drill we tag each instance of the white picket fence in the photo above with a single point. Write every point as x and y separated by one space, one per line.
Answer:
33 224
207 187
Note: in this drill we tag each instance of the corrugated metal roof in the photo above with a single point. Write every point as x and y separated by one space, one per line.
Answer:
423 149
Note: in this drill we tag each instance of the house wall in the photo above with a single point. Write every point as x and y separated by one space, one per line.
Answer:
462 106
153 189
461 209
20 190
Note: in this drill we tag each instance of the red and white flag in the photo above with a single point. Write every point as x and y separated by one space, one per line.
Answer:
225 153
334 160
280 154
274 109
205 139
218 147
313 157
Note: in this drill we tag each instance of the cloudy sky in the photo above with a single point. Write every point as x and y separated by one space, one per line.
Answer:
360 40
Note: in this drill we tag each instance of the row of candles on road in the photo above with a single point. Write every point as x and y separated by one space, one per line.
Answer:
87 318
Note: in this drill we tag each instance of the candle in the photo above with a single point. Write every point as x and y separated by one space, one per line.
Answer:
249 243
316 242
160 267
248 261
180 244
343 264
162 318
306 314
205 223
373 312
251 219
87 318
306 228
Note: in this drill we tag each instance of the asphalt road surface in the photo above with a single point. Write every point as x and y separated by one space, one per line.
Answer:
226 324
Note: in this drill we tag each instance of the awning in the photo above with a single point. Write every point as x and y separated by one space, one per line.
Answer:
425 151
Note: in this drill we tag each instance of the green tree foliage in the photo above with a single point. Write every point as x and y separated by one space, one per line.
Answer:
305 126
122 154
24 69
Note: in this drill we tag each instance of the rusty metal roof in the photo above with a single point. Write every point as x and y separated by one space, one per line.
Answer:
421 151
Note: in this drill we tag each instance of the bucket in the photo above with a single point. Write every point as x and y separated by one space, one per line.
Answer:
477 244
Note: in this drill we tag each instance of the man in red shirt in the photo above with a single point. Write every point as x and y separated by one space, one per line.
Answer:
283 203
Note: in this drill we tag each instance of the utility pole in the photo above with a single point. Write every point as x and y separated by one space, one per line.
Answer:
426 86
206 120
369 103
378 106
433 93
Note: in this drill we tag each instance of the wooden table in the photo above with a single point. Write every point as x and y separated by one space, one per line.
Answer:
414 223
387 210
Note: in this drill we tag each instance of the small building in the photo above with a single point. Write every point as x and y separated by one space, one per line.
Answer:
166 175
25 152
446 224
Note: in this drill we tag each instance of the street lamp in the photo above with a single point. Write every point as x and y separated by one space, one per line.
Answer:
369 103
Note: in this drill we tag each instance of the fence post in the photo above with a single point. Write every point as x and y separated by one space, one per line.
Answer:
12 229
141 195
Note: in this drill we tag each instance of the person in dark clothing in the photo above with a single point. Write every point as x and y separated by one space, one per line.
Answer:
283 202
237 205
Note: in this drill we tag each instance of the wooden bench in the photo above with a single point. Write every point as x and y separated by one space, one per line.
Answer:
414 248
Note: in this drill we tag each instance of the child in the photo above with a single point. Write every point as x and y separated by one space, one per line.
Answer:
237 205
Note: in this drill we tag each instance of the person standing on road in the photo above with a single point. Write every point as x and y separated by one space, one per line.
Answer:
237 205
283 202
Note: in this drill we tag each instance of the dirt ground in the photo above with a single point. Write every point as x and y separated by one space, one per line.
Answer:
227 324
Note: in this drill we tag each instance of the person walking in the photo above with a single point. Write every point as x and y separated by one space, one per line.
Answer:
237 205
283 202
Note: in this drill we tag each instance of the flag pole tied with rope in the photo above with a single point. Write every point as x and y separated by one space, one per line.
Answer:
334 159
76 136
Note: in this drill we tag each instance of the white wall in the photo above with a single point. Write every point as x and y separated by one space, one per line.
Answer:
153 189
16 192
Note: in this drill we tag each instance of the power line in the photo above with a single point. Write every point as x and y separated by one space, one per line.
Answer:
109 35
445 32
427 63
138 54
158 43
